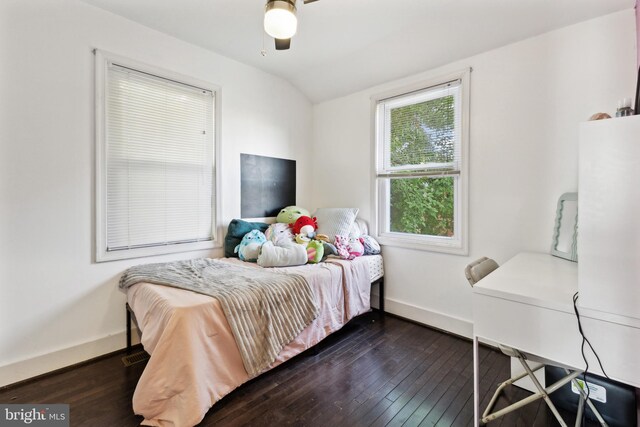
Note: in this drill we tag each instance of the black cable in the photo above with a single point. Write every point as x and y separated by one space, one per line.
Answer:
585 339
584 357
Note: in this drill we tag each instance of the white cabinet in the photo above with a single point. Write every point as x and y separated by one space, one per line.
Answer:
609 216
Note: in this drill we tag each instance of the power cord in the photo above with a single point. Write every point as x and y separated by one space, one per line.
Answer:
584 357
585 339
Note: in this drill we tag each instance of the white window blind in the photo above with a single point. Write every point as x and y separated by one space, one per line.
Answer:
421 132
159 161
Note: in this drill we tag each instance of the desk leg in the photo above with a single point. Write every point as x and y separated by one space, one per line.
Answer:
476 383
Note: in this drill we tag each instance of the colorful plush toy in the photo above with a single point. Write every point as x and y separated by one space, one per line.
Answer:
303 240
282 256
329 249
305 225
315 251
279 234
290 214
371 246
305 230
249 247
349 248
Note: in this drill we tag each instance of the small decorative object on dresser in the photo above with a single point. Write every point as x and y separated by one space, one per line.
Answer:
624 108
599 116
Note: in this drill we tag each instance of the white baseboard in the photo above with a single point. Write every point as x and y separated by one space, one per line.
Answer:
432 318
29 368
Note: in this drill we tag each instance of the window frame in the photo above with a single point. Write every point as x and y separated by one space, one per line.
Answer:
380 201
102 61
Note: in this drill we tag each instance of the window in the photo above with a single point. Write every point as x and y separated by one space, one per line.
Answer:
155 161
421 165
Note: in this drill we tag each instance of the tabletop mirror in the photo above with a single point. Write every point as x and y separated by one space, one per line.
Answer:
565 231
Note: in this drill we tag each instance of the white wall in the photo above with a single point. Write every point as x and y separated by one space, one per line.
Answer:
526 102
54 300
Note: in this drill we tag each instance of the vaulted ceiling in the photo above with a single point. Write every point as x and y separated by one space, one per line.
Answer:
343 46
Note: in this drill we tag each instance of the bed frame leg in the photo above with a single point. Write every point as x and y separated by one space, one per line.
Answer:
128 310
381 296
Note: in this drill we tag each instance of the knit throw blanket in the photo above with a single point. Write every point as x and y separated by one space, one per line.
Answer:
266 310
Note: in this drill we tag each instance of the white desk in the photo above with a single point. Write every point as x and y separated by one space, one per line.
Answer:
527 304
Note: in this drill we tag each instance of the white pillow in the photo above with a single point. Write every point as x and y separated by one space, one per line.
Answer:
335 221
359 228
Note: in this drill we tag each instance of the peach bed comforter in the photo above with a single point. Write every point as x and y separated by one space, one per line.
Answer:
194 358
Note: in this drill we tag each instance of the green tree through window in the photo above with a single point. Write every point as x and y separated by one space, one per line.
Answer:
422 136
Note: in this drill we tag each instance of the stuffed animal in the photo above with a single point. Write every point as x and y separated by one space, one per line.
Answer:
279 234
315 251
290 214
349 247
371 246
305 230
282 256
305 225
249 247
303 240
329 249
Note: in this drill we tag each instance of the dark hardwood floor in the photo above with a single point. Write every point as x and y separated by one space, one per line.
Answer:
386 372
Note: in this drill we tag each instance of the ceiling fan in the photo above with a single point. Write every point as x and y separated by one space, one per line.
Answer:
280 21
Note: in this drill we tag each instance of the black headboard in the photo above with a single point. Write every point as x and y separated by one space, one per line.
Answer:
267 184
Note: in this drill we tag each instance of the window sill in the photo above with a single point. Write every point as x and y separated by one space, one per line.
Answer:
440 245
104 256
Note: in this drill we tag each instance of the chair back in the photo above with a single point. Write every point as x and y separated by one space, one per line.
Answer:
479 269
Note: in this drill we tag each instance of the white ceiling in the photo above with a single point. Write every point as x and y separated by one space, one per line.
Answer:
343 46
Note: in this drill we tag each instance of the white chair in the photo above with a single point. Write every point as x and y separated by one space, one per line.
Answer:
475 272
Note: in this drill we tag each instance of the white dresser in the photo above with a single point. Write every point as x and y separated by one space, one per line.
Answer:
609 218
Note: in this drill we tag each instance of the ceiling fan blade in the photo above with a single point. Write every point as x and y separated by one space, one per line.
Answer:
309 1
283 44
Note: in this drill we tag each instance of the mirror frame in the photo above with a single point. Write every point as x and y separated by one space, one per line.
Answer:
572 255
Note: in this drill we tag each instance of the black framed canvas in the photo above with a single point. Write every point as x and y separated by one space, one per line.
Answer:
267 184
637 105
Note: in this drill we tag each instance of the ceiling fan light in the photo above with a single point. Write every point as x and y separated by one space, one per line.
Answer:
280 19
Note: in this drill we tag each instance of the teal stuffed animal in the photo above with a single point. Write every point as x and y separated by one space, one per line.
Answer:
249 247
290 214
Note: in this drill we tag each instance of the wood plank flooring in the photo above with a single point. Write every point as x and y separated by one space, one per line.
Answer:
374 372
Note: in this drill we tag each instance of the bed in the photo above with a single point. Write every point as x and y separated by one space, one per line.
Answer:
194 357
